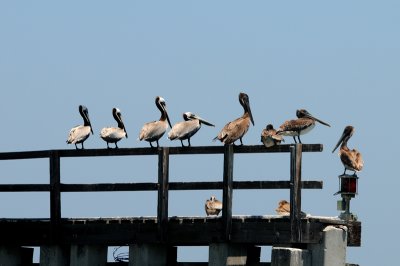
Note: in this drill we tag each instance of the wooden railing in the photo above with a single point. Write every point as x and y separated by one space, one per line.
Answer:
163 186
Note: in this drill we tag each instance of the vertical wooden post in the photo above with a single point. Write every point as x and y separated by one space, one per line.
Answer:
163 186
295 192
55 192
227 192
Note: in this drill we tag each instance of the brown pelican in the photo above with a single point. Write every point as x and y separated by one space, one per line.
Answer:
186 129
237 128
213 206
80 133
153 131
300 126
351 159
284 208
114 134
269 136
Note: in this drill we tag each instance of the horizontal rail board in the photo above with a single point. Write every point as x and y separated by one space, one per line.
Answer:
109 187
104 187
154 151
242 185
24 187
24 155
275 184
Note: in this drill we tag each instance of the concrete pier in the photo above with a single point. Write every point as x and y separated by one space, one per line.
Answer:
88 255
15 256
152 255
221 254
290 257
55 255
332 250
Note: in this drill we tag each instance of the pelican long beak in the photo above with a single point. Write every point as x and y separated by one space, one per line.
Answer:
246 102
85 115
205 122
320 121
166 114
339 142
90 124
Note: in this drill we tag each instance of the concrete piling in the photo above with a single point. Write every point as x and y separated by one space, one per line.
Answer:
15 256
88 255
332 250
55 255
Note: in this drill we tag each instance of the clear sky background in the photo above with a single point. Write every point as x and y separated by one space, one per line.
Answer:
339 60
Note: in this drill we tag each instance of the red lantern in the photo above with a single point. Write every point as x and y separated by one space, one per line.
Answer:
348 185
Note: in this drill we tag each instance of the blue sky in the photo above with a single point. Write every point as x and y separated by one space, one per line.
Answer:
339 60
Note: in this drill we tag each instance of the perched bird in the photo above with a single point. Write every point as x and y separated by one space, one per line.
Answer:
114 134
284 208
237 128
80 133
351 159
213 206
153 131
186 129
300 126
269 136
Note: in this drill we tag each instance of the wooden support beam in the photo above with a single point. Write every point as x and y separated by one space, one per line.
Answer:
182 231
24 155
295 193
24 187
163 183
55 193
227 192
108 187
103 187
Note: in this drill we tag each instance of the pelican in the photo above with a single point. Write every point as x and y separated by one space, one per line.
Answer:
284 208
300 126
351 159
269 136
114 134
80 133
153 131
189 127
213 206
237 128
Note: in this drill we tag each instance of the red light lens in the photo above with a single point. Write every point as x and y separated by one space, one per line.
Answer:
349 185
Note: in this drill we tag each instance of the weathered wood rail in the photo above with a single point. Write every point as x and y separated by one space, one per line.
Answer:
193 231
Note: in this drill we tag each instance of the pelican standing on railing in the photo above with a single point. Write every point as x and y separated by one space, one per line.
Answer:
237 128
114 134
351 159
269 137
300 126
80 133
153 131
186 129
213 206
